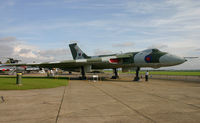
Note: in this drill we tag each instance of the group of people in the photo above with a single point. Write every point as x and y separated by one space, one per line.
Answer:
146 76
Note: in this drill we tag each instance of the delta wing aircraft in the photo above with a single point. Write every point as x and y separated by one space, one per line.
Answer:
127 61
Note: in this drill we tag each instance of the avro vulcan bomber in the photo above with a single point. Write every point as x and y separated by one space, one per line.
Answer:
127 61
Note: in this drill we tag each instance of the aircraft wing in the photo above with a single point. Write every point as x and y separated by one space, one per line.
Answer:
62 64
99 62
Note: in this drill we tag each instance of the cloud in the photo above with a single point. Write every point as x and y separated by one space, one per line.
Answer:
7 40
102 52
144 6
12 47
24 51
198 50
6 47
5 50
185 16
73 41
54 52
124 44
159 46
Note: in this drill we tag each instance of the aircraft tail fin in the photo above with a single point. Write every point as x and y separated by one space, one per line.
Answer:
77 53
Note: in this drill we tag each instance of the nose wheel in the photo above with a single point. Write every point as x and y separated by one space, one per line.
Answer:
137 78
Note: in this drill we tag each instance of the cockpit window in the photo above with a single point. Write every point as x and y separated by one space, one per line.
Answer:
147 50
151 50
155 50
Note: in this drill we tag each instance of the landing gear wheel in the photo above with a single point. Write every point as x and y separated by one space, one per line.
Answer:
115 74
137 78
83 73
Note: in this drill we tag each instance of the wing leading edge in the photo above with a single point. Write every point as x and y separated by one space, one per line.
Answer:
70 64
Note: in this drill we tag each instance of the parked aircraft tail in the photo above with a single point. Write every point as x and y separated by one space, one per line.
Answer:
77 53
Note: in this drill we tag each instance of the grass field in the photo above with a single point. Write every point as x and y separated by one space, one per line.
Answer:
9 83
175 73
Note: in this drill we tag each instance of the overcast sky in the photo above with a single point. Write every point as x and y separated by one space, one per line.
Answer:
40 30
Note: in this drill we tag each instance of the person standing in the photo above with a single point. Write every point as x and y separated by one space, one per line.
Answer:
147 76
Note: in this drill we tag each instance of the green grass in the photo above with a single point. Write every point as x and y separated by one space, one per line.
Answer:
175 73
9 83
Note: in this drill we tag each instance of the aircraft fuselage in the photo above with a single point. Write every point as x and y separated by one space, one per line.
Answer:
147 58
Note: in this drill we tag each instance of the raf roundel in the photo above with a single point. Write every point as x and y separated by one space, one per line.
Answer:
148 58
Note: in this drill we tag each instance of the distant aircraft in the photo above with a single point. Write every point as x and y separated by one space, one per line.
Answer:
9 69
3 69
127 61
12 60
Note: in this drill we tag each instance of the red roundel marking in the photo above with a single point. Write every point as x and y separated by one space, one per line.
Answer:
3 69
148 59
114 60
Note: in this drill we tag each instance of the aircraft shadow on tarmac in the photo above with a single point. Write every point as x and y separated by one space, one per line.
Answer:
101 79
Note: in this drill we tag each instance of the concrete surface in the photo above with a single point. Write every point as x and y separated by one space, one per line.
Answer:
116 101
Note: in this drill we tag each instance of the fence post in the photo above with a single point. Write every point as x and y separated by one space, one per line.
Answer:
19 78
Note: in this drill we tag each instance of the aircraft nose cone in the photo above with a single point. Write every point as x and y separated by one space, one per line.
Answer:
172 59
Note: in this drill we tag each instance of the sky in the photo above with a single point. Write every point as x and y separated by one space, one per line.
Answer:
40 30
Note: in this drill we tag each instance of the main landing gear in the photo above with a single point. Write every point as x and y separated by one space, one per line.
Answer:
137 78
83 77
70 73
115 72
